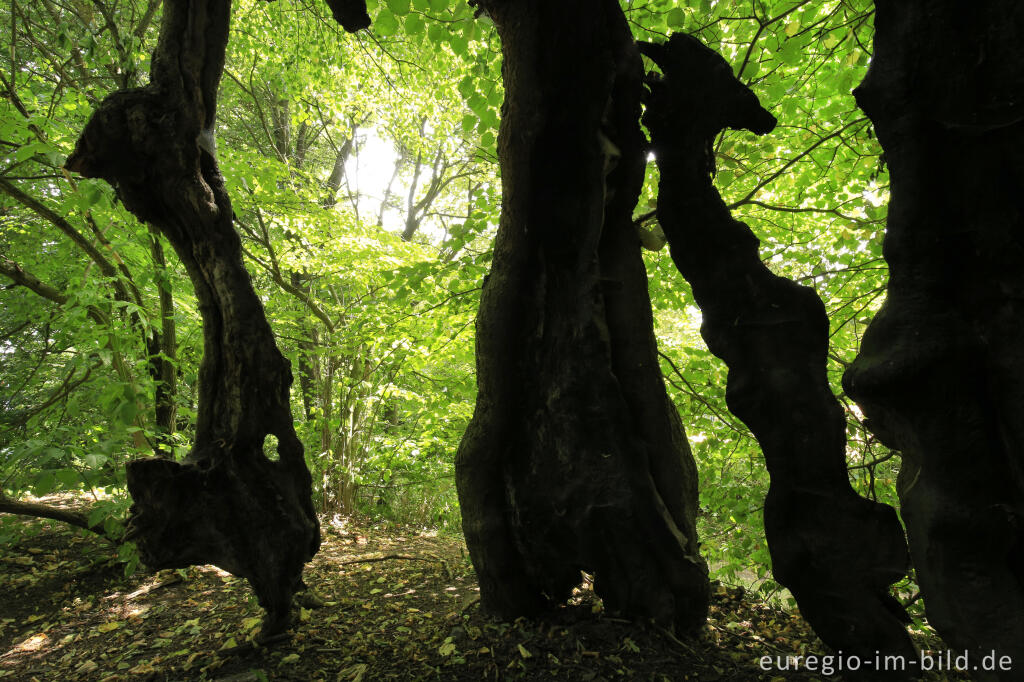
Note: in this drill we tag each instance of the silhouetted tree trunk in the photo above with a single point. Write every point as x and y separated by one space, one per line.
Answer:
227 504
837 552
351 14
165 397
575 458
941 371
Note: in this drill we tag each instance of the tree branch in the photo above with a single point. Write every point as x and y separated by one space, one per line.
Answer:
774 176
106 267
44 511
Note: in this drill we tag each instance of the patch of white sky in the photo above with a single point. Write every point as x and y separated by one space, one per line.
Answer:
370 170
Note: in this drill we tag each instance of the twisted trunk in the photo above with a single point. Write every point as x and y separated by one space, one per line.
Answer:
837 552
228 503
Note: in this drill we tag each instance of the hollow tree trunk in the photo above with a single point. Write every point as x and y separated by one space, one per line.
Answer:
575 458
837 552
227 504
941 369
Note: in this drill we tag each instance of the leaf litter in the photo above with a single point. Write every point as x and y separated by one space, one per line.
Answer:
386 603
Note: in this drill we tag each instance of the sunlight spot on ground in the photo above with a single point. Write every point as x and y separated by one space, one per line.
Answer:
134 611
33 643
146 587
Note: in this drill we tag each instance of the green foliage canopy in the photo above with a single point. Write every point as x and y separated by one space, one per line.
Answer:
363 173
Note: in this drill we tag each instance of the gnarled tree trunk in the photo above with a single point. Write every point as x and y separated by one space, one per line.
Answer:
941 371
228 503
575 458
837 552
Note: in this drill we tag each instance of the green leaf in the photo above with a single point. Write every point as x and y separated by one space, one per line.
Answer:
399 7
45 483
91 193
477 103
791 53
437 33
68 478
96 514
250 623
490 119
386 24
414 24
95 459
775 91
676 18
458 43
126 411
24 153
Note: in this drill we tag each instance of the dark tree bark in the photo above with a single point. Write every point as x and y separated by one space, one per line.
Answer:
351 14
941 370
227 504
575 458
837 552
165 359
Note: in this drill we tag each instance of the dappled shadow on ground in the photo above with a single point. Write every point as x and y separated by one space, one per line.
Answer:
397 603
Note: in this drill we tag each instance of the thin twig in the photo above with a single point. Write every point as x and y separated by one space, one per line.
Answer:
388 557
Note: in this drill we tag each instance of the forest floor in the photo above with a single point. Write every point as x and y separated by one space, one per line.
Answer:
400 604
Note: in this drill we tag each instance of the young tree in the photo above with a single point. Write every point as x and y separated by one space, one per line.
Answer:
941 367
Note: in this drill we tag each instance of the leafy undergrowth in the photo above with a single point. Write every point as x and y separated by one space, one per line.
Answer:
400 604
